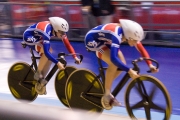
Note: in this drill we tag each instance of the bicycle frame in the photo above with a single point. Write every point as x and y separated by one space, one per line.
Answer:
52 71
101 76
125 78
34 65
120 84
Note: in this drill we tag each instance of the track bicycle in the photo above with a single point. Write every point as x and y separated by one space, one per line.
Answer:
84 90
22 83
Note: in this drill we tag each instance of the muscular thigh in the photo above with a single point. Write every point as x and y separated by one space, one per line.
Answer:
105 56
41 50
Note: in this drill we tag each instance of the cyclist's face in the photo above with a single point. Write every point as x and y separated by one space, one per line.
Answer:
132 42
60 34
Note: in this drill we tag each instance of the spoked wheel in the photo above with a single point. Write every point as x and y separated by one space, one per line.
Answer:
60 83
148 96
84 91
21 82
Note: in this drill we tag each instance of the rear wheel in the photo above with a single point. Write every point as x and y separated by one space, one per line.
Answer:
84 91
21 82
148 95
60 83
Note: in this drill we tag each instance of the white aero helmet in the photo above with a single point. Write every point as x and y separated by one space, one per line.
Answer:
59 24
132 30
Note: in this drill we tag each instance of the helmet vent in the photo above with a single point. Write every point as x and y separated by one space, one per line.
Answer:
62 25
136 34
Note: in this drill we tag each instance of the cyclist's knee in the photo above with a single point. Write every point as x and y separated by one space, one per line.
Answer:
38 75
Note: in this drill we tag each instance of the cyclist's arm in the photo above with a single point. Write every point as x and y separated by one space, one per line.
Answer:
68 45
115 59
46 46
143 52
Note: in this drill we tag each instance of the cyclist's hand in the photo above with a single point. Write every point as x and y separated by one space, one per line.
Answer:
133 74
153 68
60 66
77 60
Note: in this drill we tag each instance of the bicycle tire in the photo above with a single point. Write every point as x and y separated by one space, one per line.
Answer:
60 83
22 91
77 83
149 104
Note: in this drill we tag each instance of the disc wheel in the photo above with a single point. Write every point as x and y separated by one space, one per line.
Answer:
84 91
147 95
60 82
21 82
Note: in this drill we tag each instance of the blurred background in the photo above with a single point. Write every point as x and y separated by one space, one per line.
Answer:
159 18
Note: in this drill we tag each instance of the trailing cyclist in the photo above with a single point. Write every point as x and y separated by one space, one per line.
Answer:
105 40
37 36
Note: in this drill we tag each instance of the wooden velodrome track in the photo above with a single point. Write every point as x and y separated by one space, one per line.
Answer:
10 110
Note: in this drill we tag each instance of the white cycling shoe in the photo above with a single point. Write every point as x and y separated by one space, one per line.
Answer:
108 101
40 87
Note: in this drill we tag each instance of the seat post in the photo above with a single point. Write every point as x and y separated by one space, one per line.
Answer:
33 58
101 70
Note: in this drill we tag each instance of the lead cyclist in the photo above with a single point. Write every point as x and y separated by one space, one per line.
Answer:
105 40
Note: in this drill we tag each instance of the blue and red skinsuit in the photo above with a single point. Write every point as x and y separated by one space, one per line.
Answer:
39 34
111 33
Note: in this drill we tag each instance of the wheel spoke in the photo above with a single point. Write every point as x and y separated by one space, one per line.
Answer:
148 89
138 105
153 92
148 113
139 90
157 107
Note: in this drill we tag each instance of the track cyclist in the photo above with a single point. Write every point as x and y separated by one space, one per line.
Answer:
105 40
37 36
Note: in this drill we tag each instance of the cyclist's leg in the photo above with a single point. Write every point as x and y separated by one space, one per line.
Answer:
43 68
111 74
44 63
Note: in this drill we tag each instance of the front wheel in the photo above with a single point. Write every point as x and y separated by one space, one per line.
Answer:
21 82
60 82
147 95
